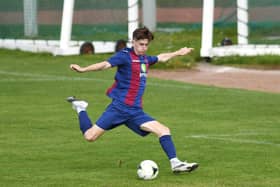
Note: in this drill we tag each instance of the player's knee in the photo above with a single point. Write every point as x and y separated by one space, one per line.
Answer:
90 137
167 131
93 133
164 131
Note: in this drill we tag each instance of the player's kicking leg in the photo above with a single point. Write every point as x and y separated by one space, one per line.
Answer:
91 133
77 104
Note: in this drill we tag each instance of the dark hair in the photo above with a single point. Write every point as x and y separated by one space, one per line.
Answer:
226 41
86 48
120 44
143 33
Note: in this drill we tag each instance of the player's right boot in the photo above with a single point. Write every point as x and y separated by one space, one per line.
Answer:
184 167
78 105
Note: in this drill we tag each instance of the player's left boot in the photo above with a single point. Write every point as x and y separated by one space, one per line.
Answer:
184 167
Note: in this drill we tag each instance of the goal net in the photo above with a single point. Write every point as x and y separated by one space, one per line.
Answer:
62 26
254 25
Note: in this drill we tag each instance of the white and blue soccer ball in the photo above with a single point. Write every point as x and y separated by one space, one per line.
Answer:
147 170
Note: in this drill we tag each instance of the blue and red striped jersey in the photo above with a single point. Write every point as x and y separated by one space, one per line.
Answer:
130 78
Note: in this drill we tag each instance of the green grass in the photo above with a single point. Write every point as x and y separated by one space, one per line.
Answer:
256 62
233 134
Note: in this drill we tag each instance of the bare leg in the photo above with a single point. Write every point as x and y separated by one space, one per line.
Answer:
155 127
93 133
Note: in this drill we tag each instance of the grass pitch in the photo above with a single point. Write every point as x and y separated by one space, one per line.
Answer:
233 134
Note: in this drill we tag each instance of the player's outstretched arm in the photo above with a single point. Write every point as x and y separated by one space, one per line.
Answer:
94 67
163 57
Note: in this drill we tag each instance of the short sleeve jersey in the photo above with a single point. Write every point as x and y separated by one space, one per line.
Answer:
130 78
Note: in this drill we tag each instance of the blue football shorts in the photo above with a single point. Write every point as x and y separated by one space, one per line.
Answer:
118 113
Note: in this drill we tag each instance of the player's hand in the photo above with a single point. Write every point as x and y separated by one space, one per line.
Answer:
76 67
184 51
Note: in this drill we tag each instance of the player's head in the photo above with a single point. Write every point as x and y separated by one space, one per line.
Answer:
143 33
141 40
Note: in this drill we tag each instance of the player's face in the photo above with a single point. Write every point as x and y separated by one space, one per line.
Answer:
140 46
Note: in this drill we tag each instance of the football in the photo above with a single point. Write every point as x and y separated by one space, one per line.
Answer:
147 170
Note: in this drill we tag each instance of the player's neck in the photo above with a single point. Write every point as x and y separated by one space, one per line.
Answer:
137 53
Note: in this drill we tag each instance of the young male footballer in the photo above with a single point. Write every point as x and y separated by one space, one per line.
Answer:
126 94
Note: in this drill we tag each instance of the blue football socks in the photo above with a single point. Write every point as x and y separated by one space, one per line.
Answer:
168 146
85 122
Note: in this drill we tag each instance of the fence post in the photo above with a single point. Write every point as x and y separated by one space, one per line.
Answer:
207 28
132 17
242 21
30 18
149 14
66 26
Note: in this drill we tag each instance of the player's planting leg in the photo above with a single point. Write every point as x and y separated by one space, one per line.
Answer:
168 146
178 166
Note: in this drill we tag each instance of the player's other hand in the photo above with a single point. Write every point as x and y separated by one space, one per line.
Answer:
184 51
76 67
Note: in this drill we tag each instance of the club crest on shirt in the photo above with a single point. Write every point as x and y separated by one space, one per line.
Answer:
143 70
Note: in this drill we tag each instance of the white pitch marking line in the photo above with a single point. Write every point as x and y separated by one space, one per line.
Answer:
224 138
231 135
43 77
